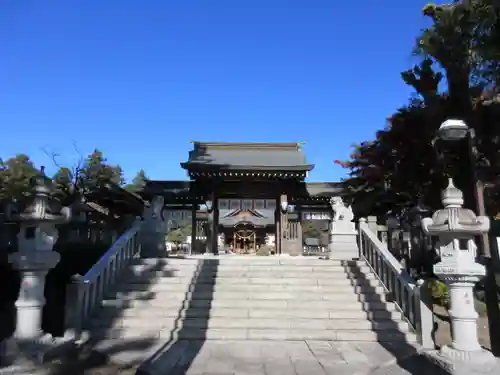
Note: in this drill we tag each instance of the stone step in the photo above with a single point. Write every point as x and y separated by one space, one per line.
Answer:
168 296
242 269
258 304
149 312
250 261
243 288
256 334
154 279
217 274
248 323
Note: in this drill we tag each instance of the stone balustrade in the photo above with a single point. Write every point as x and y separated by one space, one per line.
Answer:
86 292
411 296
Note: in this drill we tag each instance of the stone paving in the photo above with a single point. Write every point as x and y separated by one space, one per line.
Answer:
281 358
249 358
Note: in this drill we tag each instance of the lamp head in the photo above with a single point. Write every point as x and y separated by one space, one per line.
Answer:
452 130
284 206
209 205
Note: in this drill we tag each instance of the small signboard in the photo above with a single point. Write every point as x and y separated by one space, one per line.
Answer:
316 216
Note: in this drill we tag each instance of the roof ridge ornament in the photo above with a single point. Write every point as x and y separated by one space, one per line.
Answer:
452 196
453 219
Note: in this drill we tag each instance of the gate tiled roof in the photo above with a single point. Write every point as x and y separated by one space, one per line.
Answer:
248 156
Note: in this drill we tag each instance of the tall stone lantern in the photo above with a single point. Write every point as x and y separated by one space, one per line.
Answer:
34 258
456 227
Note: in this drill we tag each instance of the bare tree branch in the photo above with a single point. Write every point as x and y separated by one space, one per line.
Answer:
78 167
52 155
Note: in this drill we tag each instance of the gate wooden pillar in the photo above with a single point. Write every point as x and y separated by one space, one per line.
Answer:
194 226
212 225
283 228
215 226
299 228
277 234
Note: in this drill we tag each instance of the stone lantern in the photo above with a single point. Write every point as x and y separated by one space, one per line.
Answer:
34 258
455 228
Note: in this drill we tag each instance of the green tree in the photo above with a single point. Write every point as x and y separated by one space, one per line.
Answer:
15 176
3 181
96 171
464 40
138 183
400 164
65 185
309 230
179 234
176 236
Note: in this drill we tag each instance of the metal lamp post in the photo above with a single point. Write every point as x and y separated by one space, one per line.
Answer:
453 131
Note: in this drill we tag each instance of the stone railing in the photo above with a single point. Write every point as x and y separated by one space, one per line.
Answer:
86 292
398 239
411 297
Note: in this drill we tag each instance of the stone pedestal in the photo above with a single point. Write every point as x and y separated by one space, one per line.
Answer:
343 235
33 268
455 362
154 230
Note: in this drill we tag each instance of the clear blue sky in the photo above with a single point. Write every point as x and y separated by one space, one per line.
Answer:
139 79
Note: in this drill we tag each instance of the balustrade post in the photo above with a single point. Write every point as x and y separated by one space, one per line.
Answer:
361 224
73 316
372 224
425 318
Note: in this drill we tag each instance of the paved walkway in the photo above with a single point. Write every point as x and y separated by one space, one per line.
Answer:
284 358
249 358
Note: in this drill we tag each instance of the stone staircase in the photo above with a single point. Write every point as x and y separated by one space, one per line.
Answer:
250 298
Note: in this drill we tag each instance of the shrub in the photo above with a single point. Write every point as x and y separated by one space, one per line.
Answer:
439 292
263 251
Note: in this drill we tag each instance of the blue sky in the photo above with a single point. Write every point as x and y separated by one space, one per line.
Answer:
140 79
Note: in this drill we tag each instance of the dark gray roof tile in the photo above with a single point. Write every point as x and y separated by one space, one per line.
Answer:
248 156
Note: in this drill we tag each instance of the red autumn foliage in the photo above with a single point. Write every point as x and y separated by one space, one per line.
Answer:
343 164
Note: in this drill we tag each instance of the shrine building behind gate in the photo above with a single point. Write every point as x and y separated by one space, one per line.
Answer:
244 195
